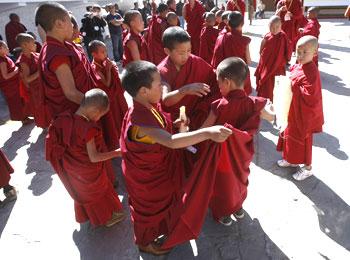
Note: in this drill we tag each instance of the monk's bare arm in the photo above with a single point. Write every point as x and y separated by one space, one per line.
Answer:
262 45
210 121
26 76
96 156
4 73
134 50
247 55
171 98
181 140
66 80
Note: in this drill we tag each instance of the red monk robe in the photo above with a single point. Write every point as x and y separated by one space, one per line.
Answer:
12 29
232 44
221 26
35 92
290 27
5 170
208 38
161 203
112 121
144 45
52 55
241 113
156 52
312 27
195 70
240 6
305 115
86 182
274 54
11 91
194 19
127 57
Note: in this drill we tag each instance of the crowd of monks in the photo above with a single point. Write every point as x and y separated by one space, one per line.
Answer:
169 189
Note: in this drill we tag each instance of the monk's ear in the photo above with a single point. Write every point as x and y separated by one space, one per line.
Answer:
142 91
167 51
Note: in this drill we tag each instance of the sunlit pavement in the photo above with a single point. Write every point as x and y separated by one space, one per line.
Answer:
284 218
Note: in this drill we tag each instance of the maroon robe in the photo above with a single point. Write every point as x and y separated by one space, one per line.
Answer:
290 27
112 121
195 70
232 44
131 36
5 170
86 182
208 38
221 26
273 59
194 19
305 115
231 6
34 90
157 27
11 90
55 101
161 201
241 113
12 29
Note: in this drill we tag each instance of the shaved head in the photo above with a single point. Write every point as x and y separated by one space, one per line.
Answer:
96 98
310 41
274 19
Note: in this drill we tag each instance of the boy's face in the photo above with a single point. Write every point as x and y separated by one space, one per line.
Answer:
180 54
101 54
30 46
67 28
154 93
4 50
275 27
96 114
218 19
137 23
305 53
210 22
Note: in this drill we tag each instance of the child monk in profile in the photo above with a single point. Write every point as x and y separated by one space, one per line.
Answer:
153 163
76 150
305 114
274 55
208 37
241 113
110 83
9 86
29 72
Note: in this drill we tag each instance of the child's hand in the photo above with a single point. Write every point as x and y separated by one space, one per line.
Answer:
179 123
109 64
219 133
196 89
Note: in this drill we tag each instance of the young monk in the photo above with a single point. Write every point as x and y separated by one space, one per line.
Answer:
208 38
188 80
236 5
225 26
305 114
172 19
155 189
29 72
218 20
9 85
76 150
193 14
290 12
274 53
5 171
312 27
157 26
110 83
133 40
233 44
65 71
241 113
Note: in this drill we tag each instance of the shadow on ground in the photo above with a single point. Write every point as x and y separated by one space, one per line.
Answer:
5 212
42 180
333 212
334 84
17 140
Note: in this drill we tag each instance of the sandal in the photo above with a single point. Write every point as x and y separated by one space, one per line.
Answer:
154 249
116 218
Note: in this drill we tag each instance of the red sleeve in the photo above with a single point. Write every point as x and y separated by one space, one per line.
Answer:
91 133
58 61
